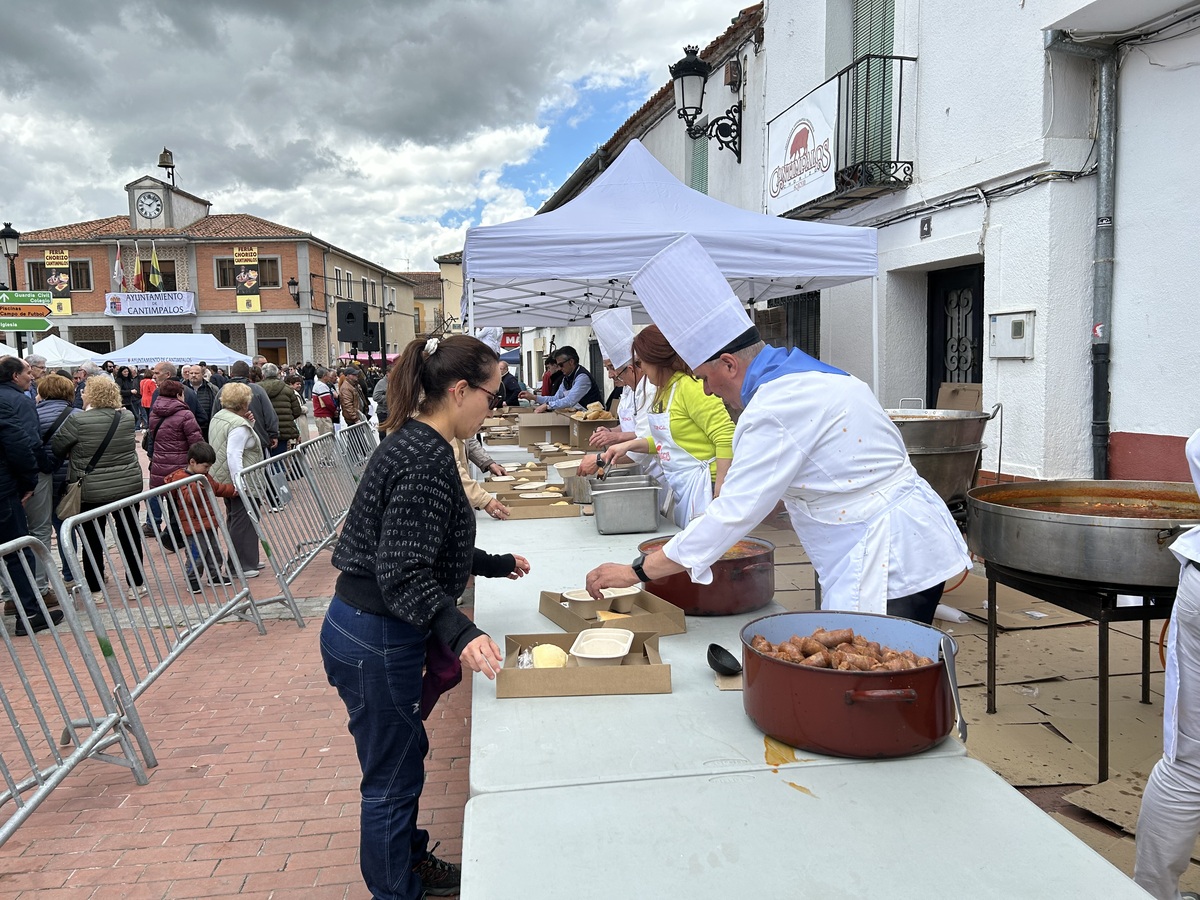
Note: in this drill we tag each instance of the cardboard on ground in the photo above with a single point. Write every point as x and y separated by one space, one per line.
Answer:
1028 755
1012 607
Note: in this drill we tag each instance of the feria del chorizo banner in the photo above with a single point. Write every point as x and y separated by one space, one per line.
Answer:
155 303
246 261
801 151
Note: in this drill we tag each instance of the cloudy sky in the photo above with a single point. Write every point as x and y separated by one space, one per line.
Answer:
386 127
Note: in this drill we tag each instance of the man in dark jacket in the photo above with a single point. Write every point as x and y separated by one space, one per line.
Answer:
20 462
309 373
286 405
266 423
206 395
168 371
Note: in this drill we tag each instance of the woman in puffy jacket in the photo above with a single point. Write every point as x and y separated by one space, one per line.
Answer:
173 429
117 475
56 395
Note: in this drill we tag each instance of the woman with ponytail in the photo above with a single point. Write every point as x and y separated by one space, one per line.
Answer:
393 637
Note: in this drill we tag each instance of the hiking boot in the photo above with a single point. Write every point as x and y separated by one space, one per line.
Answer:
148 530
10 607
41 623
438 877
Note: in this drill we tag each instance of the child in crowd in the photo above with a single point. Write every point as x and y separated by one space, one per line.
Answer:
197 517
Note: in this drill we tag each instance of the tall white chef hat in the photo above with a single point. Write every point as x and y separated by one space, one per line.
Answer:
614 331
689 299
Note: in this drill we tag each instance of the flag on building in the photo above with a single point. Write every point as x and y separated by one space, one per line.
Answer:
138 284
119 283
156 279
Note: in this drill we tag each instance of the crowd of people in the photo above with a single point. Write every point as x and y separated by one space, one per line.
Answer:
78 430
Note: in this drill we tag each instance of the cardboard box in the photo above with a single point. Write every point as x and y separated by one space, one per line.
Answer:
539 509
641 672
500 438
963 396
649 613
547 427
582 431
512 489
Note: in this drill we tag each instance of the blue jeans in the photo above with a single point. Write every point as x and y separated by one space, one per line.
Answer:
308 386
376 663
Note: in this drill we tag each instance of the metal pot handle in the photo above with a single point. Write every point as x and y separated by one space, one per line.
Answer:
919 401
894 695
948 659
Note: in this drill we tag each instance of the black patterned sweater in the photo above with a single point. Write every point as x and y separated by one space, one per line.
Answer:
408 545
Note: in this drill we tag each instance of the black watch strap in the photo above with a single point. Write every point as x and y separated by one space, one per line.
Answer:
638 570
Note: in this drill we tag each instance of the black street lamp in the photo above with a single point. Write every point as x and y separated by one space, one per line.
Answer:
10 245
294 289
690 75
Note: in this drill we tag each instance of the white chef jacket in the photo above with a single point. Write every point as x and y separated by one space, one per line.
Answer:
873 528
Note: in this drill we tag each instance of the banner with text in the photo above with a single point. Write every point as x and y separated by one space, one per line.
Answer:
245 259
58 273
156 303
800 151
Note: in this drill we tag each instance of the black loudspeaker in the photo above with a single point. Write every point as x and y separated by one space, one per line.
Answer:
373 344
351 322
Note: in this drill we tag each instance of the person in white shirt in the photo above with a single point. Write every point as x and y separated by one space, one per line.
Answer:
1170 816
879 537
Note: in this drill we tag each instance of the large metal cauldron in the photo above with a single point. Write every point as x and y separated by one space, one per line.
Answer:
862 715
1103 532
944 446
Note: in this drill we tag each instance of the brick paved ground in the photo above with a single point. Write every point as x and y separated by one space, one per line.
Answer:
256 790
255 794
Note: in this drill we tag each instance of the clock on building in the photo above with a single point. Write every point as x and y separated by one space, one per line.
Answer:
149 205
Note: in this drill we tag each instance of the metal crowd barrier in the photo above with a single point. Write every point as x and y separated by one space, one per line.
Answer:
335 483
356 444
52 677
149 598
293 516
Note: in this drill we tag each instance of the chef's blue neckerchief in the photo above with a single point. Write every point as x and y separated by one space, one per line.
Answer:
775 362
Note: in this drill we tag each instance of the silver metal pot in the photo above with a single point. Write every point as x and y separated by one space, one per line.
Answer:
626 510
950 471
1103 532
935 429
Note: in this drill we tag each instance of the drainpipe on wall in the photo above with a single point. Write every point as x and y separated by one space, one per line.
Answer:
1102 263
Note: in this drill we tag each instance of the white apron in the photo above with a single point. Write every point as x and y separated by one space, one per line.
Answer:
689 479
627 413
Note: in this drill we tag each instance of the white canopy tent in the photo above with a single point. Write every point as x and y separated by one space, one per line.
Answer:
62 354
555 269
176 348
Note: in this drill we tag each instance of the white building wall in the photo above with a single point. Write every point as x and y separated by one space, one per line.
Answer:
1156 314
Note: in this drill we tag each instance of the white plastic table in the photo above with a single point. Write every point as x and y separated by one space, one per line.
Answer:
921 827
523 743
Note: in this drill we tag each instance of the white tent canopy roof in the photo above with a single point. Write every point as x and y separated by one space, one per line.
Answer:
556 268
176 348
60 353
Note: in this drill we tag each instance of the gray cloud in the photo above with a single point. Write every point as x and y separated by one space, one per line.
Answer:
288 95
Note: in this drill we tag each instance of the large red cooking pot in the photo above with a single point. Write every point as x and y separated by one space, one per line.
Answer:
862 715
743 581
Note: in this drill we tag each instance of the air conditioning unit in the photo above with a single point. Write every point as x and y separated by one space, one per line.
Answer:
539 344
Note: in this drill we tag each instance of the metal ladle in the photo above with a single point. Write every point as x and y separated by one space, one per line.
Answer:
722 661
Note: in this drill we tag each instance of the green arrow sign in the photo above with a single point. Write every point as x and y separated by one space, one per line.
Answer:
24 324
26 297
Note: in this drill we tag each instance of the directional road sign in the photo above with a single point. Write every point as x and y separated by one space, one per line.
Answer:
25 310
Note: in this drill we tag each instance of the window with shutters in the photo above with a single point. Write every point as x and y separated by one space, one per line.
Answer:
874 29
698 164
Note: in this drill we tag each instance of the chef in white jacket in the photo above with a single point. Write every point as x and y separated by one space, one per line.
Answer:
1170 818
614 334
878 536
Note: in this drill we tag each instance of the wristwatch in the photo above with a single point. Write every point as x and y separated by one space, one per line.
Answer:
639 571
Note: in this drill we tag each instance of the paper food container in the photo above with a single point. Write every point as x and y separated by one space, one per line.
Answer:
601 646
641 670
647 613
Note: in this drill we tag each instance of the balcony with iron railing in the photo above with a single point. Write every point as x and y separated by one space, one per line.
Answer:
869 153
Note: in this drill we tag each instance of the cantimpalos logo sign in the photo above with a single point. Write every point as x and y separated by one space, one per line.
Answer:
800 147
806 160
151 303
